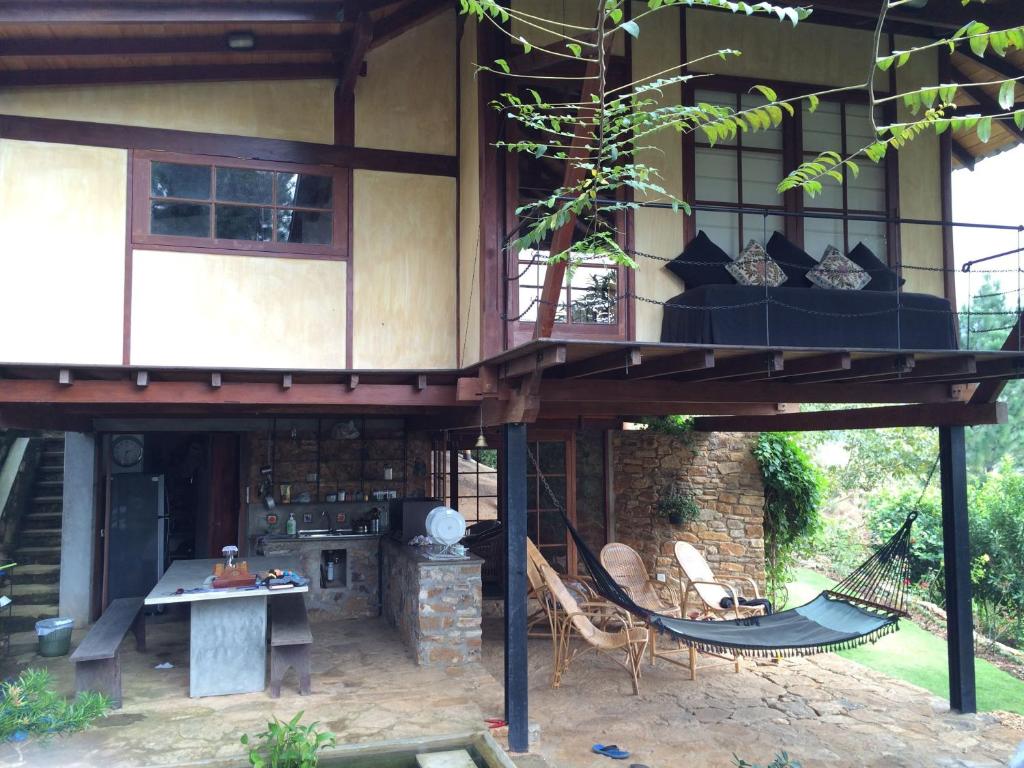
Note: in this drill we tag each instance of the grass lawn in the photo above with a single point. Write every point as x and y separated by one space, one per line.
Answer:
919 657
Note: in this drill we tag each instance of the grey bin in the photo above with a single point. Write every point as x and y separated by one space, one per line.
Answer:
54 636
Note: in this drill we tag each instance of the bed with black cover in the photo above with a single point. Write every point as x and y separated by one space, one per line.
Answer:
796 313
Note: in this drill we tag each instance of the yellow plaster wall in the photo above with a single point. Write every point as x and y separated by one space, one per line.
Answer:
199 309
62 214
774 50
407 99
659 232
920 181
299 110
469 203
404 271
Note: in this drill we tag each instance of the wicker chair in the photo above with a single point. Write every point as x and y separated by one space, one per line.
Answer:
582 620
625 565
710 591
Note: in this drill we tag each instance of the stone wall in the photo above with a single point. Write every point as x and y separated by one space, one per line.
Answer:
436 606
720 472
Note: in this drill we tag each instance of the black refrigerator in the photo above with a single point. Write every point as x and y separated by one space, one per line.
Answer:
136 536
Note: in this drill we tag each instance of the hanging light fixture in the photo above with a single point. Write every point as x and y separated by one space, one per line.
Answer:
481 441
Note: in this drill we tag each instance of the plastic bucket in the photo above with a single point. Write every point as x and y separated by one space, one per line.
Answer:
54 636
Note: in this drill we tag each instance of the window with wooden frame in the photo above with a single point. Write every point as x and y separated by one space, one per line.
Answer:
844 127
738 173
743 173
223 205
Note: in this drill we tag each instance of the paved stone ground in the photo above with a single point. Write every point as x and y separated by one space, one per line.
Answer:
825 711
366 689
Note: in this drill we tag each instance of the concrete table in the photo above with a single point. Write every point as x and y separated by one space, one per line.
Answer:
228 636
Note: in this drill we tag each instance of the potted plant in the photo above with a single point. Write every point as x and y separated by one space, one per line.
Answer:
678 507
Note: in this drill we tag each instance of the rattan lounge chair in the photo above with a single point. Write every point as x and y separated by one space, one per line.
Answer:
625 565
710 591
582 620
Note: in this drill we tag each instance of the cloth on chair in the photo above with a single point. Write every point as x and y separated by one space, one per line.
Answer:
762 602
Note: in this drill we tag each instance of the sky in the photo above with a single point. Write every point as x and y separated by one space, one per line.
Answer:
991 194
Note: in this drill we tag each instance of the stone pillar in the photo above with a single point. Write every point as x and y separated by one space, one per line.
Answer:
77 540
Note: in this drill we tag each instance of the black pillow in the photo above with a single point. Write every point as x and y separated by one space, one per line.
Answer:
793 259
882 278
701 263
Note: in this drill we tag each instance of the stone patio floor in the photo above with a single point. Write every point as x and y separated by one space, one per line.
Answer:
823 710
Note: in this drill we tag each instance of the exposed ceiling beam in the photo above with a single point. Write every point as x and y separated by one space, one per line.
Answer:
160 46
833 362
540 360
989 391
407 17
133 392
1000 65
960 152
937 16
611 361
697 360
170 74
645 410
181 11
932 415
627 394
883 366
738 366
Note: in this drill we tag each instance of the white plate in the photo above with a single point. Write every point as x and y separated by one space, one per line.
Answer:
445 526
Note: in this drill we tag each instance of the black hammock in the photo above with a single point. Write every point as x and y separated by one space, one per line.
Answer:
861 608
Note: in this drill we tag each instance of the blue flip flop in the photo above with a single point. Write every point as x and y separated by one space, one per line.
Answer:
611 750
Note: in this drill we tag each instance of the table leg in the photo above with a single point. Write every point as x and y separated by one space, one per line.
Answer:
227 648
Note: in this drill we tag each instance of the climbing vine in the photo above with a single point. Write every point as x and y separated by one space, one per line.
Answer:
793 487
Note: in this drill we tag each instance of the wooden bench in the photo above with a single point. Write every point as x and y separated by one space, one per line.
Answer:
97 664
290 642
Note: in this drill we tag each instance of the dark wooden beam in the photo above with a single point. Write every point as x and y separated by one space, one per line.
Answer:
697 360
989 391
151 393
172 73
936 414
882 367
412 14
562 238
957 563
833 362
182 11
1000 65
739 366
515 466
243 147
937 16
540 360
644 410
358 46
611 361
24 47
967 160
630 394
944 367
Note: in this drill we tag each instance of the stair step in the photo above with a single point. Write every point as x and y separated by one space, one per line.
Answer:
37 573
48 499
50 485
24 617
37 556
39 538
41 521
35 594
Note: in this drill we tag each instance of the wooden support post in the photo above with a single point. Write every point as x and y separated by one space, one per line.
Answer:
957 554
513 461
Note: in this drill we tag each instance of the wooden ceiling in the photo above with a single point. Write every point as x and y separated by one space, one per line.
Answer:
968 69
66 42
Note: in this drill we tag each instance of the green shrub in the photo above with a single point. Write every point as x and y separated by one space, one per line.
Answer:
837 547
676 503
782 760
287 744
888 511
30 707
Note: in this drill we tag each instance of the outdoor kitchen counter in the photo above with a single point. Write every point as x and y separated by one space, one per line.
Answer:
355 590
435 605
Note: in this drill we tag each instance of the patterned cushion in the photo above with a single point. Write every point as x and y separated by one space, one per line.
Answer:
837 271
755 267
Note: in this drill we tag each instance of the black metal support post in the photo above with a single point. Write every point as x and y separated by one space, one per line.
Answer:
957 553
513 460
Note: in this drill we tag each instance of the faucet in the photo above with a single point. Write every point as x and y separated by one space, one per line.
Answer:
325 515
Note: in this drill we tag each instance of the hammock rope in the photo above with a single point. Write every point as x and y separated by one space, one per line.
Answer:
861 608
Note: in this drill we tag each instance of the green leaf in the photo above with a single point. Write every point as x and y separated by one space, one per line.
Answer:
768 93
526 44
984 129
1018 119
1007 94
979 40
615 14
813 102
631 27
504 65
576 48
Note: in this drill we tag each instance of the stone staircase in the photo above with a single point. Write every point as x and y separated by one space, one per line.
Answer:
37 577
